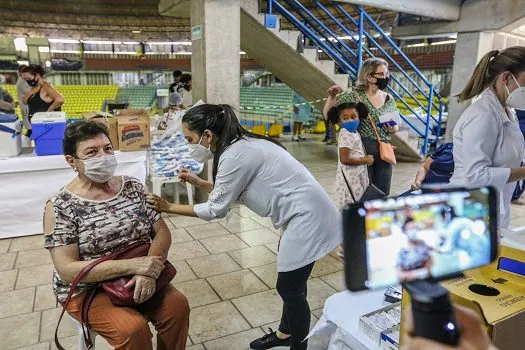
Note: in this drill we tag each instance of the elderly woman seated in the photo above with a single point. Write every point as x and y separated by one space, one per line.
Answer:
97 214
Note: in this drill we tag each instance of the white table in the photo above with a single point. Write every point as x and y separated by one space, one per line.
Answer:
28 181
340 319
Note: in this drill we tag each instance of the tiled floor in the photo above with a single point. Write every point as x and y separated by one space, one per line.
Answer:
227 271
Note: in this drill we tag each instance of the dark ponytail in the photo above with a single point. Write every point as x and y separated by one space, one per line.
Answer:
489 67
222 121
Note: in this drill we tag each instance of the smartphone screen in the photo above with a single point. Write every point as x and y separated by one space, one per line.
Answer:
430 235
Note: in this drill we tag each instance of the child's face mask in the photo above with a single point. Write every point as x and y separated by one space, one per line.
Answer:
351 125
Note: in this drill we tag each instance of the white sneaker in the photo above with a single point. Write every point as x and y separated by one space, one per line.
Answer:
295 138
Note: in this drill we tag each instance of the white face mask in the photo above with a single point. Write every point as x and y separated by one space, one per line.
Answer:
200 153
516 98
100 169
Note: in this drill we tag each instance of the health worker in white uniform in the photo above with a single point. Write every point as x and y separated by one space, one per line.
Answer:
259 173
488 143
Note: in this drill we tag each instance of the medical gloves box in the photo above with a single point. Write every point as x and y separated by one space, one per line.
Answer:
133 129
498 297
109 121
380 321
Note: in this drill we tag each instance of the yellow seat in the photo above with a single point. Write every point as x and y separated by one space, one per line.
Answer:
259 129
246 127
275 130
319 127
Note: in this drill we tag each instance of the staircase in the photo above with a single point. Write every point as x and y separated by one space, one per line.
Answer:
421 106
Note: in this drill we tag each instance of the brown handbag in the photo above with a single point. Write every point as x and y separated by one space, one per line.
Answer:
115 290
386 150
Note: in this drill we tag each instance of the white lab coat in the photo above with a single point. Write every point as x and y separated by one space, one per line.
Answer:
487 143
268 180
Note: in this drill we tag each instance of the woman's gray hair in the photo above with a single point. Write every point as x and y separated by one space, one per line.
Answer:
368 67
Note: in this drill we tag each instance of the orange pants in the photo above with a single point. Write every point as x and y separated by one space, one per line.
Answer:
127 328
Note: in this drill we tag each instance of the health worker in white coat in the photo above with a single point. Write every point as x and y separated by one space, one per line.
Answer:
488 143
259 173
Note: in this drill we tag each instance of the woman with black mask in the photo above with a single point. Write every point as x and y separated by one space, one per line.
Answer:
372 80
259 173
42 97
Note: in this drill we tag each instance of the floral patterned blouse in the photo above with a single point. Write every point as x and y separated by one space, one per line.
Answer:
365 129
99 227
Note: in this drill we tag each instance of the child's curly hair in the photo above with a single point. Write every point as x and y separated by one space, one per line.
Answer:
334 112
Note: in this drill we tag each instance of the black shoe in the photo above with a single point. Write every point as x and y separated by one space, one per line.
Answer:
269 340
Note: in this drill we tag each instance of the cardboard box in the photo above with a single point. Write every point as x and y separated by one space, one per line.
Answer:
133 129
497 296
109 121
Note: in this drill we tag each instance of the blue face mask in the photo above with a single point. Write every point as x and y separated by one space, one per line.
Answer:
351 125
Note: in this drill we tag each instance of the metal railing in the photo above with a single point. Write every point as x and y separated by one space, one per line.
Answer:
358 44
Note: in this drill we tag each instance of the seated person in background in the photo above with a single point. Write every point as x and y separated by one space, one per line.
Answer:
7 104
98 214
437 168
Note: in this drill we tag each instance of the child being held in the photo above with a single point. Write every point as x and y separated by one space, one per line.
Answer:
353 160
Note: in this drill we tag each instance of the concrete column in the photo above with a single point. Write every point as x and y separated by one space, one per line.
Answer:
215 60
470 47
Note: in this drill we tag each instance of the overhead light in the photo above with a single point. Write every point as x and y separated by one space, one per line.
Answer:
20 44
319 50
445 42
128 43
125 53
100 52
183 53
43 49
416 45
187 43
23 63
64 41
136 31
48 64
99 42
64 51
242 53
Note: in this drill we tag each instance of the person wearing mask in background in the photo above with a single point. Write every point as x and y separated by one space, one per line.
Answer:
176 80
372 79
301 113
259 173
21 89
184 89
42 97
488 143
7 104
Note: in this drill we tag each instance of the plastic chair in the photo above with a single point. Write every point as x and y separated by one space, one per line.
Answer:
157 182
81 342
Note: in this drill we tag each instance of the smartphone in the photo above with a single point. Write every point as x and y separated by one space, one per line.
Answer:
434 235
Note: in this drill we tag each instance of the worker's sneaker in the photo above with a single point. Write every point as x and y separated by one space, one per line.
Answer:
269 340
295 138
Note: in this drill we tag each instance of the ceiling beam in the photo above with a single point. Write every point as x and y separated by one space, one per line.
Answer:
504 15
441 9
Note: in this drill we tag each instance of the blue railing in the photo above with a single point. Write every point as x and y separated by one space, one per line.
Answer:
362 45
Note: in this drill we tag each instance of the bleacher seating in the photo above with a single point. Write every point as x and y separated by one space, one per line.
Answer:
85 98
138 97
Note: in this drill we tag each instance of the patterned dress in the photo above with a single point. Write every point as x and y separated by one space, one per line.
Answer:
357 175
99 227
365 129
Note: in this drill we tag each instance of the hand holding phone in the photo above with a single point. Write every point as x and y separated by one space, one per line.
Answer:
435 235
